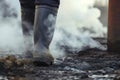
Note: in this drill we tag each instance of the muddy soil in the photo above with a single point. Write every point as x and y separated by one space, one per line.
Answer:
90 64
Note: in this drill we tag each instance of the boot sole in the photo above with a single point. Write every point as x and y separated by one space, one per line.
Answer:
41 62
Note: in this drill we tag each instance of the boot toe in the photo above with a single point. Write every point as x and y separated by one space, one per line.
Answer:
42 62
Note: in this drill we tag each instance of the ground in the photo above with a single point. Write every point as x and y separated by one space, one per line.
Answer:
90 64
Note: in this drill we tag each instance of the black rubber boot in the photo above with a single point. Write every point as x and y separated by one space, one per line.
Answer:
44 25
27 27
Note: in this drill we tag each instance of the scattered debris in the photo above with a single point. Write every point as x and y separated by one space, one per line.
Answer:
90 65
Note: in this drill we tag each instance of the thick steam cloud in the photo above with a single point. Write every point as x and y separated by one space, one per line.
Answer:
11 38
77 21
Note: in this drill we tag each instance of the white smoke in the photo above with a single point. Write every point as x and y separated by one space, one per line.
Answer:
81 14
77 21
11 38
102 2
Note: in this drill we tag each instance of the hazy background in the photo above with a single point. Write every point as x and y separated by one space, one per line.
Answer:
77 22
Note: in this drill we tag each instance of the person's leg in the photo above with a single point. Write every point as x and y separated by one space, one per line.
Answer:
52 3
44 25
28 10
27 15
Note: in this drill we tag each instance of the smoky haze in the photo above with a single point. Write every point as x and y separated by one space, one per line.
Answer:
77 21
11 38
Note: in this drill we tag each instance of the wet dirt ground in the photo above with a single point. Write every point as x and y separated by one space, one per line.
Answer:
90 64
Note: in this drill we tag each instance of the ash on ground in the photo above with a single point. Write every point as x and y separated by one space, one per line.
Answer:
91 64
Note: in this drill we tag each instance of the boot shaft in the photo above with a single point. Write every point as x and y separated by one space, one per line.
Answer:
44 25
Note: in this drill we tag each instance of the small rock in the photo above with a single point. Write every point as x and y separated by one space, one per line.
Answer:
109 70
117 78
84 75
84 66
3 70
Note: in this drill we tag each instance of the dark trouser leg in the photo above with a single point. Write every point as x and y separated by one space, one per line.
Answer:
52 3
27 15
45 18
28 10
